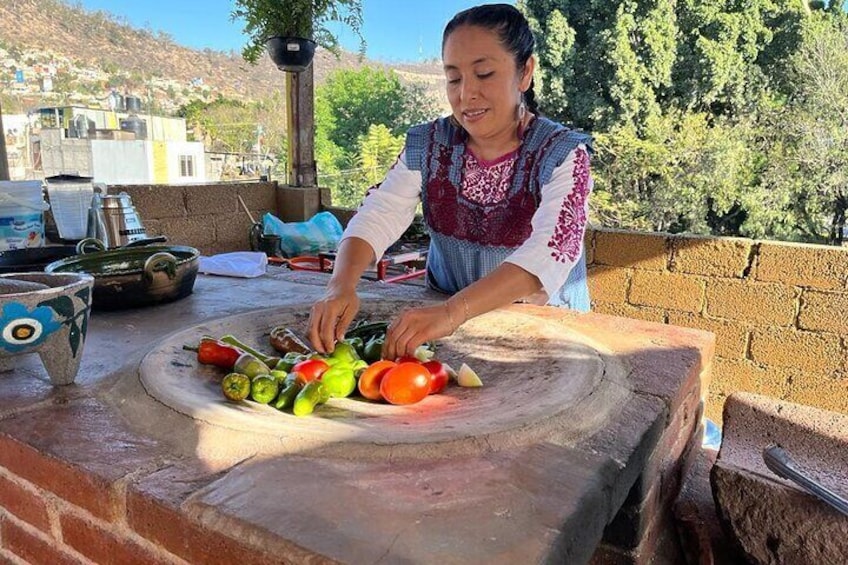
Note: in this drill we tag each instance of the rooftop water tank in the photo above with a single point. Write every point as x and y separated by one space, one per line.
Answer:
133 104
135 125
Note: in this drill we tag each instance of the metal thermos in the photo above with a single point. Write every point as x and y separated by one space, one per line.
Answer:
114 220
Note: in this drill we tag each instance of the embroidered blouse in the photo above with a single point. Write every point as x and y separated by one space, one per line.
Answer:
543 235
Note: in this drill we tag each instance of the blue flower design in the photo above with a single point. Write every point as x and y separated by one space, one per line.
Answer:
21 328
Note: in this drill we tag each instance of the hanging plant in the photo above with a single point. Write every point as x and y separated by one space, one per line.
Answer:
303 19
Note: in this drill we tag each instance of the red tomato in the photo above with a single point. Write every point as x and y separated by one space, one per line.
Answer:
407 383
407 359
309 370
438 376
369 380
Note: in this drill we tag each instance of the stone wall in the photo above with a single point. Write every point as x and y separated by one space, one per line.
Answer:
209 216
779 310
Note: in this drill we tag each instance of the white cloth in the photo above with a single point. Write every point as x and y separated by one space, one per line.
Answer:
244 264
387 211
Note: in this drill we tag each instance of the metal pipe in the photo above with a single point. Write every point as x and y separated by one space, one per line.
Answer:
4 160
779 462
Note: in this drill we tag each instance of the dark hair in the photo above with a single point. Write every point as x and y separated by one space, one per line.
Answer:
512 29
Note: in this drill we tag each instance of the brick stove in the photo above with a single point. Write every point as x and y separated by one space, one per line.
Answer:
572 452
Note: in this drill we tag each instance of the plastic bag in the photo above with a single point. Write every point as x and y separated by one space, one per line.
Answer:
322 232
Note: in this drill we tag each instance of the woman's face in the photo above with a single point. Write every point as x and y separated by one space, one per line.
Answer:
483 84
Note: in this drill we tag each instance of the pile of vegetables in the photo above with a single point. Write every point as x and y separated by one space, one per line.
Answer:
301 379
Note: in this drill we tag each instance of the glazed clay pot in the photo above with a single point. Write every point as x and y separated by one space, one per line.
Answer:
135 276
51 321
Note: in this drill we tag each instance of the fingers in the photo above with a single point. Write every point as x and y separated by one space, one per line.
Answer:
344 322
329 319
398 339
413 328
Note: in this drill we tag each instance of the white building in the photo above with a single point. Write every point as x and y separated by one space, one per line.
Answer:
87 142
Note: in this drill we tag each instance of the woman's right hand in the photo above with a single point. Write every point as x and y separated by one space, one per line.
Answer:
331 316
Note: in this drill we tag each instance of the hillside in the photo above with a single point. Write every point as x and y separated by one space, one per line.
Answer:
86 53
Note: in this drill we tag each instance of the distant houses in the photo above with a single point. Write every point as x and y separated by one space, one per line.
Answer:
119 146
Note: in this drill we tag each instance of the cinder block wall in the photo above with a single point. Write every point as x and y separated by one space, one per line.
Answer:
209 216
779 310
206 216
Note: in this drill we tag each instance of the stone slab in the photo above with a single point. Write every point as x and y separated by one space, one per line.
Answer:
540 380
773 520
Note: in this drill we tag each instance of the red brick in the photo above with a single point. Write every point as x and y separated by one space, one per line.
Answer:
33 548
66 481
103 546
24 503
173 531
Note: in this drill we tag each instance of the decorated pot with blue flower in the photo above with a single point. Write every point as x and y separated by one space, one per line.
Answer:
46 313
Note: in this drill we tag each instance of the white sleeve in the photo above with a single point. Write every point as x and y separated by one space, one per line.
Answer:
388 208
558 225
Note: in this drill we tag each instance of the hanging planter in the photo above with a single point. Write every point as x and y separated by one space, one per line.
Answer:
292 54
279 28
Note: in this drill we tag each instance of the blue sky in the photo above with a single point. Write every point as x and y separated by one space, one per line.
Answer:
395 30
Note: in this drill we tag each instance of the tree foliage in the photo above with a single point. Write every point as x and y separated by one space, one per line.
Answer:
805 180
361 118
710 116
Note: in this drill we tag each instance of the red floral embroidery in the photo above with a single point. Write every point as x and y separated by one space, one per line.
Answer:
566 241
488 183
504 223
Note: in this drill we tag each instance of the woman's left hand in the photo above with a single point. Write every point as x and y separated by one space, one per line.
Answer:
416 326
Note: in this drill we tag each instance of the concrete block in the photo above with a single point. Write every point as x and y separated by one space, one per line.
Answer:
769 304
824 311
667 290
810 351
731 337
155 201
645 313
197 231
812 266
211 199
711 256
608 284
260 196
827 392
619 248
297 204
738 375
774 520
232 231
589 245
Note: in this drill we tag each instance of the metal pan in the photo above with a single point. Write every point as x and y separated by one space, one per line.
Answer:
135 276
33 259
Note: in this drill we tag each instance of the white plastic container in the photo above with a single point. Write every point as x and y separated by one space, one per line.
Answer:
22 209
70 201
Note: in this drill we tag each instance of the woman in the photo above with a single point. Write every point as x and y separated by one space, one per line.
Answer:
504 193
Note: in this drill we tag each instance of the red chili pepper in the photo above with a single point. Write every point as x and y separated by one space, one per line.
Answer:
214 352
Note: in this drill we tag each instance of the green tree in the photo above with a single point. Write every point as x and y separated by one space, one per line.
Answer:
604 64
361 118
226 125
682 174
806 142
359 98
672 92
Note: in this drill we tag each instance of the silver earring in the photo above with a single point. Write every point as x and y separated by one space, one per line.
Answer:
522 109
